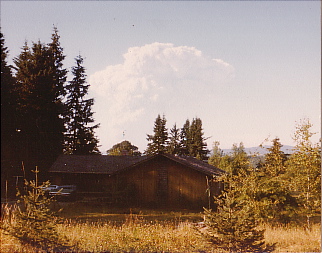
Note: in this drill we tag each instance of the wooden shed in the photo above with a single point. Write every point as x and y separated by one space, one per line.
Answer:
162 180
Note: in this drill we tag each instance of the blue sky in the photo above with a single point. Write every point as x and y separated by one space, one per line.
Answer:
249 70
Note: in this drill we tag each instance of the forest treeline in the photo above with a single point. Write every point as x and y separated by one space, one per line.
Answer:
43 114
276 187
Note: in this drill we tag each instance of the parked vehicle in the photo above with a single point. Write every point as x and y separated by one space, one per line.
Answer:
50 188
64 192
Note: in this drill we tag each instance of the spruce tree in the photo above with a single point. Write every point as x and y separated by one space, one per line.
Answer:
39 115
174 141
158 141
275 200
8 106
60 73
233 225
34 222
304 171
219 159
239 160
274 164
79 138
185 139
197 146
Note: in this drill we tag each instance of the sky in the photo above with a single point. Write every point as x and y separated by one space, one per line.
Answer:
250 70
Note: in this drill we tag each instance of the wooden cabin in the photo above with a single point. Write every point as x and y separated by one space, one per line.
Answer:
162 180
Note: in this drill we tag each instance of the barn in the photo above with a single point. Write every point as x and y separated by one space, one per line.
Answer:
161 180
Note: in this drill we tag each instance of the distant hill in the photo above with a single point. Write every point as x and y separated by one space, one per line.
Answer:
262 151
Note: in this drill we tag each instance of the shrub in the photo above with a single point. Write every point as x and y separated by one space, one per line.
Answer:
33 222
233 226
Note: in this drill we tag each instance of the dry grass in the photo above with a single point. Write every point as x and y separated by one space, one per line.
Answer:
138 234
134 236
294 239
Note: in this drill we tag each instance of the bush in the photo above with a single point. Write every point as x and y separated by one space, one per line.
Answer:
33 222
233 226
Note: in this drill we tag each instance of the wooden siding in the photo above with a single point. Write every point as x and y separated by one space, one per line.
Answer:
162 182
159 182
186 186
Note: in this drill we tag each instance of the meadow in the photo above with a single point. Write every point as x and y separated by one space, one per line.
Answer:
94 228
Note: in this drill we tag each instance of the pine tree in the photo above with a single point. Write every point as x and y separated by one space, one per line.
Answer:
197 146
233 225
239 160
8 106
219 159
304 171
192 140
275 159
40 122
174 141
158 141
34 223
185 139
275 200
79 138
60 73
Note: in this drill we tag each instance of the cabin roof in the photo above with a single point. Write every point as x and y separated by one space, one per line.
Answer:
105 164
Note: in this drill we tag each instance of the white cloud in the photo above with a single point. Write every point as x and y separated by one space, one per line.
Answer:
155 78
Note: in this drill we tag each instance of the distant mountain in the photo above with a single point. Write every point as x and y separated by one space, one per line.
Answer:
262 151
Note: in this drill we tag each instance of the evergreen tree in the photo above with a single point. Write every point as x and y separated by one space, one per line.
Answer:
124 148
9 134
174 141
219 159
185 139
60 73
158 141
198 146
35 223
216 156
8 106
275 200
233 226
274 164
304 171
239 160
192 141
39 115
79 138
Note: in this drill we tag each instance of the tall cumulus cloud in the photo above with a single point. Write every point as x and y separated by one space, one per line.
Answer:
154 78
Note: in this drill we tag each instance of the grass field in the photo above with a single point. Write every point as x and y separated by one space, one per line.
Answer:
92 228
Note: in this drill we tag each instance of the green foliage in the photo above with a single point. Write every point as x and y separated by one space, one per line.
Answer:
239 160
8 114
34 222
275 200
158 141
219 159
197 146
40 82
234 163
192 140
187 141
234 225
124 148
8 99
60 73
79 137
275 159
304 171
185 138
174 141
